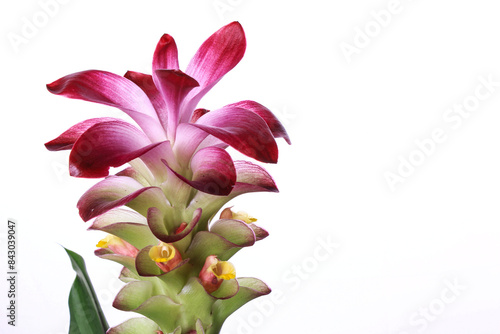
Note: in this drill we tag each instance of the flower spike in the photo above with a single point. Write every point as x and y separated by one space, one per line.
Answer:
159 210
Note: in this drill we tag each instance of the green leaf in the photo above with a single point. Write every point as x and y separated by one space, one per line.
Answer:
86 313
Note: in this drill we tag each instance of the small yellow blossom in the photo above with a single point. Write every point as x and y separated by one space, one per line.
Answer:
223 270
162 253
227 213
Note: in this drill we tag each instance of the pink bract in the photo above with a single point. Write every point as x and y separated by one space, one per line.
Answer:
172 134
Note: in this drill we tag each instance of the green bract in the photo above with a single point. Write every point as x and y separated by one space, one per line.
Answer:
177 300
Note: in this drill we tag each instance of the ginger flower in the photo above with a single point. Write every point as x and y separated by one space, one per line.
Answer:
117 246
214 272
165 256
227 213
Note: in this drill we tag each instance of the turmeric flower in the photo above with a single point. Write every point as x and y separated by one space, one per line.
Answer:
159 210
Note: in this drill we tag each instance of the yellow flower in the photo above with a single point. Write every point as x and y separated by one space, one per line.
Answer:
227 213
214 272
224 270
117 246
165 256
109 240
162 253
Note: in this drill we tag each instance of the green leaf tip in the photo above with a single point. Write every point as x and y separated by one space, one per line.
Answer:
86 316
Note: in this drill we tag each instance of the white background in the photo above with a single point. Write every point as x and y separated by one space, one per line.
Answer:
350 123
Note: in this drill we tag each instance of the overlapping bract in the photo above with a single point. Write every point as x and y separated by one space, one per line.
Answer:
180 175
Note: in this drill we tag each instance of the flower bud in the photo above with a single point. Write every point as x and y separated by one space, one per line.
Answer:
214 272
165 256
118 246
181 228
